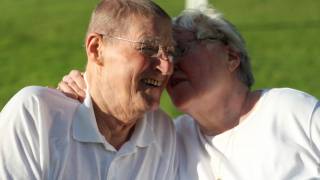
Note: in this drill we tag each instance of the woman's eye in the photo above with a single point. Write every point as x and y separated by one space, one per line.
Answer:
180 51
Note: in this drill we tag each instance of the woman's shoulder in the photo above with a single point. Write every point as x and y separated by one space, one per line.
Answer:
291 98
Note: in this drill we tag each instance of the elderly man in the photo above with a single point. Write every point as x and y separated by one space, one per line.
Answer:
117 133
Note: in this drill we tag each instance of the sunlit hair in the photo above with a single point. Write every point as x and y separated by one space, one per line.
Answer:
208 22
114 16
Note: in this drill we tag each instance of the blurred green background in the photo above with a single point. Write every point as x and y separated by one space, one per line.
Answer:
41 40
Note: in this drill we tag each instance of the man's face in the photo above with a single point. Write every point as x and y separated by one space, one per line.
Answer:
131 82
200 72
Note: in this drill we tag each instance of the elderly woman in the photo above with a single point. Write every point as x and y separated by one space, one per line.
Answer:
230 131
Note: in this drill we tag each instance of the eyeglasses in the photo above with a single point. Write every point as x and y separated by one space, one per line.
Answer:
150 48
182 48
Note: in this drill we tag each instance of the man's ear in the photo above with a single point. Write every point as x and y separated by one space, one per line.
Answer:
94 46
233 59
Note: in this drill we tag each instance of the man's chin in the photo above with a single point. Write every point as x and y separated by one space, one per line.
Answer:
153 104
152 101
154 107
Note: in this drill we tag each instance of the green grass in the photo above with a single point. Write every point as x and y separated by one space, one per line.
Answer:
41 40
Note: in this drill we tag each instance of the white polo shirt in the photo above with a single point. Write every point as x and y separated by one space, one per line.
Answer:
44 135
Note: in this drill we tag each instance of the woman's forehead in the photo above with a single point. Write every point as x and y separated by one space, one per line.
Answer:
183 34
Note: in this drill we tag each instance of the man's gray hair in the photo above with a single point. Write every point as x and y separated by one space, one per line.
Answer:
208 22
113 16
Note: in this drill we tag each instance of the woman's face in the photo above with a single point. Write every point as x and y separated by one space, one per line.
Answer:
201 72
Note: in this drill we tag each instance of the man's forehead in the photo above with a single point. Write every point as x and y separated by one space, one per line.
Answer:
159 32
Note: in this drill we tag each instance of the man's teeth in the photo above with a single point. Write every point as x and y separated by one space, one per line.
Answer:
152 82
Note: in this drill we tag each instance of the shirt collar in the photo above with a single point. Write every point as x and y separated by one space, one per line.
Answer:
85 127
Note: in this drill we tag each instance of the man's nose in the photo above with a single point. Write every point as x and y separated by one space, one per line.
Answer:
165 65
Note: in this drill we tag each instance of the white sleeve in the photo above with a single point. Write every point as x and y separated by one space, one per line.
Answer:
19 140
315 132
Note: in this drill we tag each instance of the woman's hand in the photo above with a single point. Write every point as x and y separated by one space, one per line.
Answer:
73 85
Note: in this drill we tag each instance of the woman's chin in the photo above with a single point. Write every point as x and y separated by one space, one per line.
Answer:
181 103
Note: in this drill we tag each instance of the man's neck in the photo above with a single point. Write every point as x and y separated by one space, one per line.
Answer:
114 131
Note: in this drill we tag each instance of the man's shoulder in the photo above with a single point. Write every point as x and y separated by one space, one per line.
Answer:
36 104
41 95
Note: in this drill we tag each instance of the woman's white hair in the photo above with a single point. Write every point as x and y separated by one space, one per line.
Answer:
208 22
